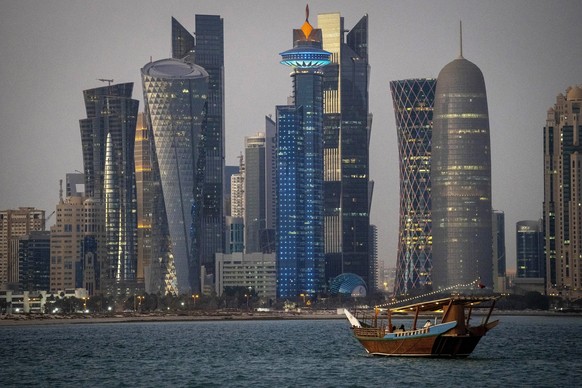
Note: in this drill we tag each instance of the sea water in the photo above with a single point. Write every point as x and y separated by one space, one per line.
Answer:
521 351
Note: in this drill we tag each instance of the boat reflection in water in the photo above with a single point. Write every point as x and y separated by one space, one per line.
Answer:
451 336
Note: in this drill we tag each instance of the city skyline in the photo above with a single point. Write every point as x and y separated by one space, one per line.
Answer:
521 53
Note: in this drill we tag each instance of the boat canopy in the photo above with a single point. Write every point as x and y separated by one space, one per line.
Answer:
434 305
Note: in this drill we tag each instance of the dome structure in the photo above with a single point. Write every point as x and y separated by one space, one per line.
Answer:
574 94
348 284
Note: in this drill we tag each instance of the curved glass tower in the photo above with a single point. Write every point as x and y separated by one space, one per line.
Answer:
413 101
300 239
108 139
175 95
461 178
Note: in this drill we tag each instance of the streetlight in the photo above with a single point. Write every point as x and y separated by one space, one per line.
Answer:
139 300
194 297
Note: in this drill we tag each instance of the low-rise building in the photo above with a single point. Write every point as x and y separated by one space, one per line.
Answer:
255 270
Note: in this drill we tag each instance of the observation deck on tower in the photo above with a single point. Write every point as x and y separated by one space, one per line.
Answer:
307 52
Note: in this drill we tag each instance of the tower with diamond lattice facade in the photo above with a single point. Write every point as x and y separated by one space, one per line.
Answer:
175 97
413 101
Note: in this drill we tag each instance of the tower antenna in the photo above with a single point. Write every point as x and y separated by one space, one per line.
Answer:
109 81
460 39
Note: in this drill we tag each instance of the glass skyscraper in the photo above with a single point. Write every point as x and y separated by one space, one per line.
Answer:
300 239
206 49
176 97
108 139
461 179
260 205
34 256
413 102
346 133
530 250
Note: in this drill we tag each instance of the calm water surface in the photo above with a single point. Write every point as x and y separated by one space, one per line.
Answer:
521 351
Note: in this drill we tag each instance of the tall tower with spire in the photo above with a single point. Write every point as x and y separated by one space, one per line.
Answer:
461 178
300 238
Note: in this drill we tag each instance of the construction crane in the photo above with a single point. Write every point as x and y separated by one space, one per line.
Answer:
109 81
46 219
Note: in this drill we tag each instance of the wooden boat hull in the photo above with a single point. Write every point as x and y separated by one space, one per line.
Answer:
452 337
434 346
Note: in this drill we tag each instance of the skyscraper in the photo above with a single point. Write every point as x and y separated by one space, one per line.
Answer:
413 102
461 178
530 249
145 191
346 133
255 191
108 138
77 245
14 224
260 206
237 190
175 96
300 239
34 256
206 49
563 193
499 257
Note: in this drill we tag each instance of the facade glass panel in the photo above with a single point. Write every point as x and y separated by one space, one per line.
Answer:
529 250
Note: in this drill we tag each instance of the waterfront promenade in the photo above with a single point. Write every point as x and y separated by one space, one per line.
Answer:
80 318
50 319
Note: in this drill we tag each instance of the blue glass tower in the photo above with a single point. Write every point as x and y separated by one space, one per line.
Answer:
413 101
300 238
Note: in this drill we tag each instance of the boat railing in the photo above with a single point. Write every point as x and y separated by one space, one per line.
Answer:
424 330
375 332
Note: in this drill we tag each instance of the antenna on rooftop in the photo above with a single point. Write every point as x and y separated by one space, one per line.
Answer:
109 81
461 38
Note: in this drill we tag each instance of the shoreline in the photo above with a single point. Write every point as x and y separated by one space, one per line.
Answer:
49 319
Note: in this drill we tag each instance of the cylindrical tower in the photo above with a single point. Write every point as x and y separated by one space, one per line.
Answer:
461 178
175 95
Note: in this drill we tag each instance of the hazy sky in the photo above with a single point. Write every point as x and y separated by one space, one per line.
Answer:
50 51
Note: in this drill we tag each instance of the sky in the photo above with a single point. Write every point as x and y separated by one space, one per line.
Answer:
50 51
